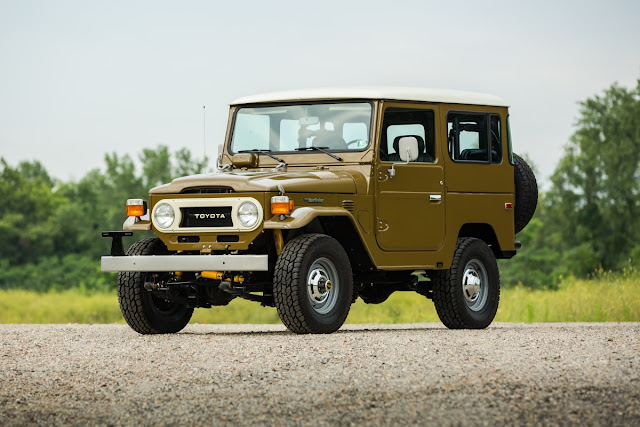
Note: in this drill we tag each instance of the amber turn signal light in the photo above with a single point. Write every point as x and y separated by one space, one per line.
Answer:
136 207
281 205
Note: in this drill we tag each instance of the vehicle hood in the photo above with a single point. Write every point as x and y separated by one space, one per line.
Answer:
308 182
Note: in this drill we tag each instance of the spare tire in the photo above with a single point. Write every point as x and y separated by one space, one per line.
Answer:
526 193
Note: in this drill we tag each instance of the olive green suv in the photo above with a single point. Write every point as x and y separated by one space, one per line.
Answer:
326 195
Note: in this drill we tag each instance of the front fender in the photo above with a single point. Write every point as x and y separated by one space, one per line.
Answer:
301 217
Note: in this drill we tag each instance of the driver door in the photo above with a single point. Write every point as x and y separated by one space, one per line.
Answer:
410 206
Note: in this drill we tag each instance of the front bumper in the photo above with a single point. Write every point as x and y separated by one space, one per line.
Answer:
159 263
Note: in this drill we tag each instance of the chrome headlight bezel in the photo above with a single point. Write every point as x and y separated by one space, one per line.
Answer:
163 216
248 214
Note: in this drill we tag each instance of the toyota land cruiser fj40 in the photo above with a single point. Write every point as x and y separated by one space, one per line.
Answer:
326 195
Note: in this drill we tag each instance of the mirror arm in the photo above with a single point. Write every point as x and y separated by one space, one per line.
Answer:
392 171
219 158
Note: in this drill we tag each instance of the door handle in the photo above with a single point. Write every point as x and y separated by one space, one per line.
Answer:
435 197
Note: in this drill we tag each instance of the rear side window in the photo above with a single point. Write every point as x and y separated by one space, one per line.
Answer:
474 137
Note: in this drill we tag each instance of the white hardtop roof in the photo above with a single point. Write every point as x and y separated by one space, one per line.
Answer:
398 93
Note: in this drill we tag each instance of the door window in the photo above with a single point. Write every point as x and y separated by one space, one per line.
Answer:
399 122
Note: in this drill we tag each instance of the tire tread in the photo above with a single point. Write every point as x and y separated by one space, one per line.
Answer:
445 283
285 290
131 295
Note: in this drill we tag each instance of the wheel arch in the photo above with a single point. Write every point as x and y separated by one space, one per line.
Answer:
337 223
484 232
346 232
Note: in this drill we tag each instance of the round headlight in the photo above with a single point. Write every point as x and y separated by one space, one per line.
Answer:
248 214
163 216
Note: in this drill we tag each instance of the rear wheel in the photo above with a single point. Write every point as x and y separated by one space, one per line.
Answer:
313 285
144 311
466 296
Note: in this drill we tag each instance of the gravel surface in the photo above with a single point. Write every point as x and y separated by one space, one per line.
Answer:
540 374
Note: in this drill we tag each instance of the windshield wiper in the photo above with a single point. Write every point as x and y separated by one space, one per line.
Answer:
321 149
265 152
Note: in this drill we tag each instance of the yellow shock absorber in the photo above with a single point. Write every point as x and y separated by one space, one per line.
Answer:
213 275
219 275
279 241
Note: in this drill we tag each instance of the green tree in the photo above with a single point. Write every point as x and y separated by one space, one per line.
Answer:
50 231
594 203
29 201
158 168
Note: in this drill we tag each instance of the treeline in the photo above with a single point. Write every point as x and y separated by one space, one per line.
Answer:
50 230
589 220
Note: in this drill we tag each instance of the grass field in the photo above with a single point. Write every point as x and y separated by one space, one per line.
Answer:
606 298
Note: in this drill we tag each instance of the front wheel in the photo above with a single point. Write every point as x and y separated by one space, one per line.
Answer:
144 311
313 285
466 296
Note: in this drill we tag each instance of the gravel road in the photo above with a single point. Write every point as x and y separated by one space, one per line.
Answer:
509 374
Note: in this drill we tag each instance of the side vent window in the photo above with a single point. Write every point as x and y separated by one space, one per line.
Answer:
496 139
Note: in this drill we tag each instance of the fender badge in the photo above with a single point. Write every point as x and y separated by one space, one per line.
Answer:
307 199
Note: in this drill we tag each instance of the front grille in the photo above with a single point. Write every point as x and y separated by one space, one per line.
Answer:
209 190
206 217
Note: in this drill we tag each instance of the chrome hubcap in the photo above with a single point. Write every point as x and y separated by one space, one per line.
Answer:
319 285
474 285
322 286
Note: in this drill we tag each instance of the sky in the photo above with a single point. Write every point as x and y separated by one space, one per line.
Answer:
79 79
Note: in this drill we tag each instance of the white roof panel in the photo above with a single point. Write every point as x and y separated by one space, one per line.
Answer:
377 92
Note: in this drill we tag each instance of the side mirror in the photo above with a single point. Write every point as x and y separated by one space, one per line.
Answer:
408 152
408 148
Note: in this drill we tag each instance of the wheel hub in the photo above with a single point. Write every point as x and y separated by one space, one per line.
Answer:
323 286
471 284
319 285
475 285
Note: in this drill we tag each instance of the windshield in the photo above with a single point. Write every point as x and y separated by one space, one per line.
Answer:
291 128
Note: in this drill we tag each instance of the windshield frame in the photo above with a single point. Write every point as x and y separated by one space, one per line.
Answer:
239 107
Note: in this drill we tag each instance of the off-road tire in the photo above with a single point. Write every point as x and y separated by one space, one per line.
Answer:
526 193
448 294
142 310
290 290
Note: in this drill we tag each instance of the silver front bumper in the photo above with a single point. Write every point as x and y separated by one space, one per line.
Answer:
157 263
